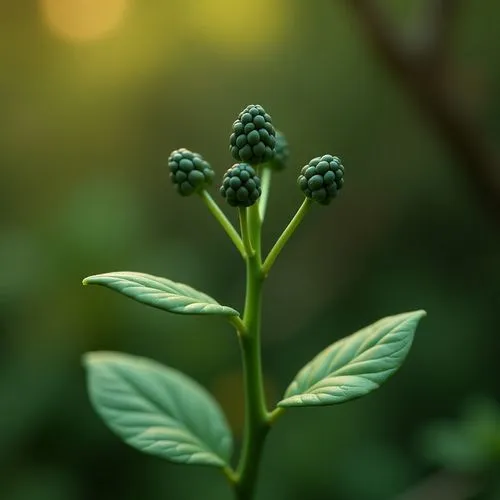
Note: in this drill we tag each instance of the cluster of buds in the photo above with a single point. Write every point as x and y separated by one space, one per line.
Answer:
255 143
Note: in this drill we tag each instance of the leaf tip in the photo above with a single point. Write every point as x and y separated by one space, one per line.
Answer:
92 357
87 358
88 280
420 313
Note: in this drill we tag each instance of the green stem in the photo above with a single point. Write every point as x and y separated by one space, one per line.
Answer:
256 415
224 222
266 186
287 233
245 232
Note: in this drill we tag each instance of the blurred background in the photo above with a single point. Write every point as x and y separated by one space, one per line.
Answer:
95 94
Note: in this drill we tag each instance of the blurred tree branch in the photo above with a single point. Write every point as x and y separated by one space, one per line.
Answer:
437 31
423 68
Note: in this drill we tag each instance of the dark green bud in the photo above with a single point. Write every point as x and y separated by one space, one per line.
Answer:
281 152
253 139
189 171
240 185
322 178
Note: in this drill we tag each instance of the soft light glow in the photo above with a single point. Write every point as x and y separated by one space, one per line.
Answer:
239 27
83 20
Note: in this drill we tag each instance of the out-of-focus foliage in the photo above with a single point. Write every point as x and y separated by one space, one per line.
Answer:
471 444
94 96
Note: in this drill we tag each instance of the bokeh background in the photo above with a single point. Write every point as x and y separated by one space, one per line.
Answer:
94 95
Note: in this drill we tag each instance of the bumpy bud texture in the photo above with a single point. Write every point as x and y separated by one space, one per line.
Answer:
281 152
240 185
253 138
189 171
322 178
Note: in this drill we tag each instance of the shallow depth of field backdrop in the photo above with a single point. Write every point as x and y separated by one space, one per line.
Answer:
93 97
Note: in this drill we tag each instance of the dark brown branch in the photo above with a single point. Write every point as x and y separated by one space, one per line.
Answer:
437 30
480 163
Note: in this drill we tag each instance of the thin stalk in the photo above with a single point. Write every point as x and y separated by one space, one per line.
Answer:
224 222
229 473
245 232
237 322
272 416
285 236
256 415
265 186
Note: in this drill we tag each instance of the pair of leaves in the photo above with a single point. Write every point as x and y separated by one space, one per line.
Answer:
153 408
160 411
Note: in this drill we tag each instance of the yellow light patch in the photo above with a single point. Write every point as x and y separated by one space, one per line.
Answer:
83 20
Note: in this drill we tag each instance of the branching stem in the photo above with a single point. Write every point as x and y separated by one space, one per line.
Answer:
256 415
258 420
287 233
223 220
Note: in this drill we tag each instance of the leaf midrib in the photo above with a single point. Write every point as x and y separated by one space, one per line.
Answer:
159 291
207 303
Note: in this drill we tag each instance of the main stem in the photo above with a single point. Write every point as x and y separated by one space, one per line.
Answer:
256 415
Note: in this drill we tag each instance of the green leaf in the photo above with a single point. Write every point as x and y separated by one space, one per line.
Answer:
157 409
160 293
355 365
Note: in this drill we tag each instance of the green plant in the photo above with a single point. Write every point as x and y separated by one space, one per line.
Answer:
162 412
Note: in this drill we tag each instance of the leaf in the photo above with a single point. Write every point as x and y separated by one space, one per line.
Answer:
157 409
354 365
160 293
